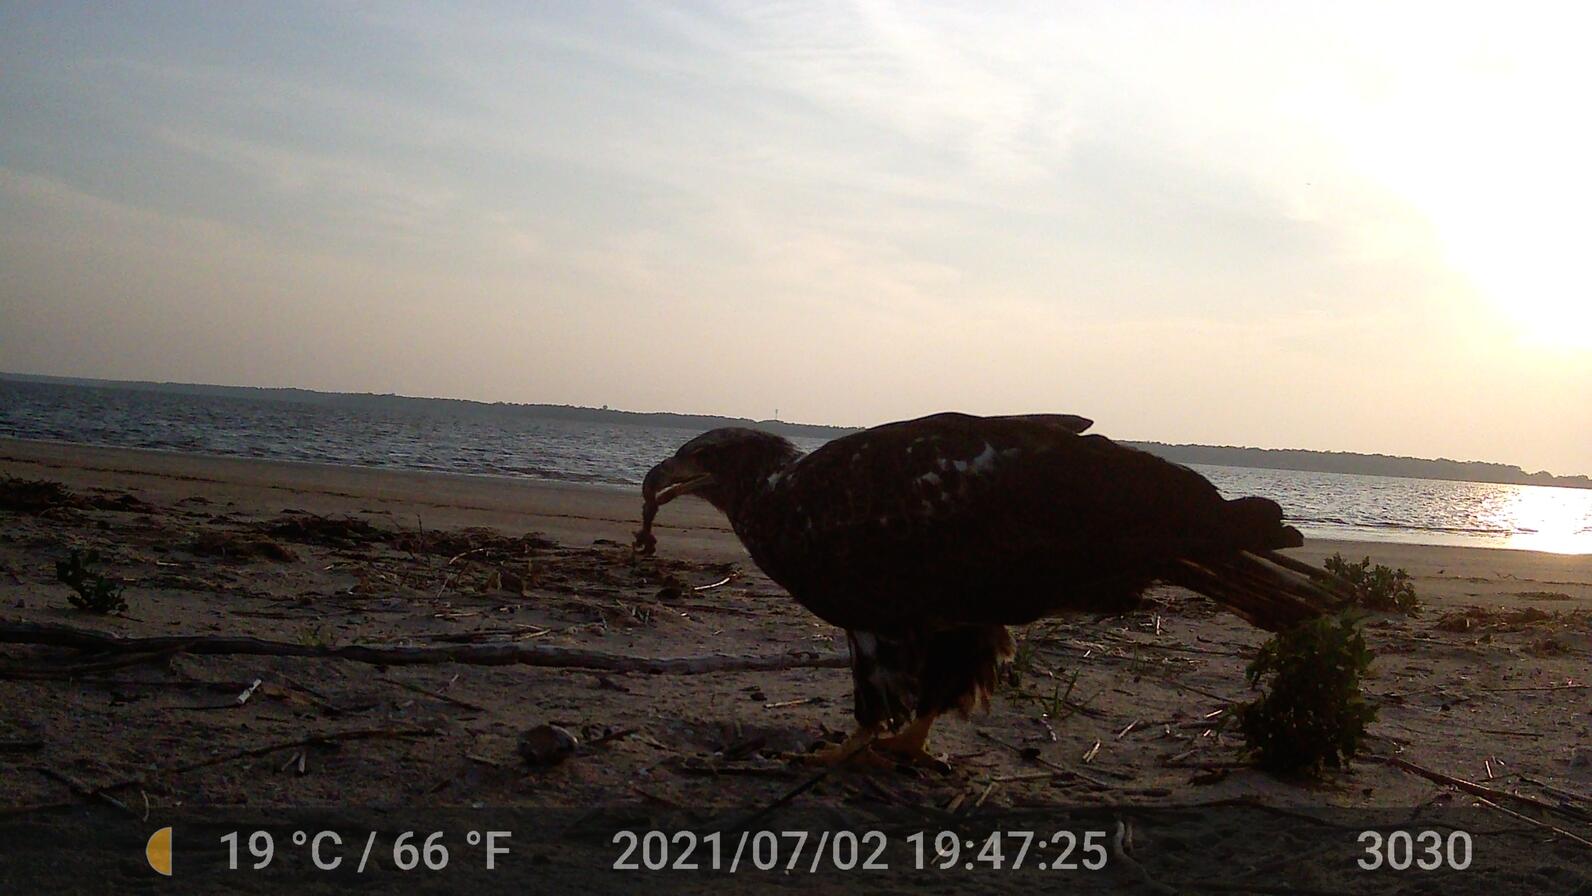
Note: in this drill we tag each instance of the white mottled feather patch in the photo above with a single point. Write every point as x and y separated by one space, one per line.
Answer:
985 461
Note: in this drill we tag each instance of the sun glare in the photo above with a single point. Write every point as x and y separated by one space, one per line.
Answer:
1480 141
1545 294
1560 322
1508 217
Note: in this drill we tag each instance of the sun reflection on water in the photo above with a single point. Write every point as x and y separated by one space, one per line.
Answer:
1421 511
1542 518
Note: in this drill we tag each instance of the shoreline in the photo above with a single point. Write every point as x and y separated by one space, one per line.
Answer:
6 442
164 461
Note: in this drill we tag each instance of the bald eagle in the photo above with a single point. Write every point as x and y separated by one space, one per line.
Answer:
925 539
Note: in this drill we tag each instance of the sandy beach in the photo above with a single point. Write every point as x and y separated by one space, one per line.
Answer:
1488 685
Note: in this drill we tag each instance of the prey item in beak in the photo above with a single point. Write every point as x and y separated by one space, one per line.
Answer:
663 483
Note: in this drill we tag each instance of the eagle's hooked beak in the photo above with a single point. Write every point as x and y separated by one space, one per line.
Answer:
665 482
671 479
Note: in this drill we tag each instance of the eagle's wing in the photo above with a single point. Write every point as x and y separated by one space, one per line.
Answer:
1070 422
956 519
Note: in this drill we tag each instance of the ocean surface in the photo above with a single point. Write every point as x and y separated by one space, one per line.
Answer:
503 442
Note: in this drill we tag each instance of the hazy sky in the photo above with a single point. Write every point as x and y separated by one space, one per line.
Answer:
1335 226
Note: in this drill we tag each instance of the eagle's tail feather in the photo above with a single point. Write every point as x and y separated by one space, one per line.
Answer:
1269 590
1327 580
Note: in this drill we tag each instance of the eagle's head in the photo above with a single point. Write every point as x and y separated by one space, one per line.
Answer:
722 466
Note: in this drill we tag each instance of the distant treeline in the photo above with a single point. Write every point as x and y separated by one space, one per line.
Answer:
1264 458
1349 462
388 402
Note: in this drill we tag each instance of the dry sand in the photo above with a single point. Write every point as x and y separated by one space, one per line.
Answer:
1489 684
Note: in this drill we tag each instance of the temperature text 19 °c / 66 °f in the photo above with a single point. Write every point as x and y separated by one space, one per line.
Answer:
328 850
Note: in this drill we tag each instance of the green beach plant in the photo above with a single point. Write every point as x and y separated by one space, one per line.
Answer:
1312 713
1379 588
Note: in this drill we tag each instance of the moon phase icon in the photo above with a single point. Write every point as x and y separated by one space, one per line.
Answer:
158 851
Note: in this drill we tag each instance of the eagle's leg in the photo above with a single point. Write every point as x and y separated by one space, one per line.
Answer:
911 744
884 684
884 677
959 670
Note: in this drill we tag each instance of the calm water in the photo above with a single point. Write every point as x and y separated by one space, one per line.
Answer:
499 441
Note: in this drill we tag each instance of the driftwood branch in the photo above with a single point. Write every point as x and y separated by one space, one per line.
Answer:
469 654
1478 790
73 670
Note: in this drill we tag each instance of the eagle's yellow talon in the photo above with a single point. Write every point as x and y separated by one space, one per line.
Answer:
867 757
916 759
856 749
910 747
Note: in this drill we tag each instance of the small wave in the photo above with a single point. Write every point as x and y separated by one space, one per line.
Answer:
1411 526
